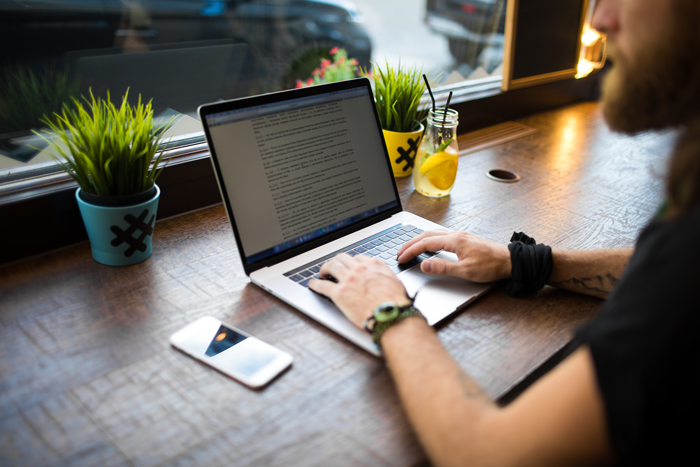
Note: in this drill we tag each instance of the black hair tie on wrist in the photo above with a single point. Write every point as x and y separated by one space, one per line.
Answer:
531 265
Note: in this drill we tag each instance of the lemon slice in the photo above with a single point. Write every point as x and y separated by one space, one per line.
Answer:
443 176
439 158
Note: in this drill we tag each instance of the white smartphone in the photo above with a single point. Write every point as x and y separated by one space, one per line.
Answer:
231 351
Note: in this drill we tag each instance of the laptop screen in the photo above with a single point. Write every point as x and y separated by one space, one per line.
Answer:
297 169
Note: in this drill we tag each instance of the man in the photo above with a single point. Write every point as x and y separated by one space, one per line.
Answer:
607 402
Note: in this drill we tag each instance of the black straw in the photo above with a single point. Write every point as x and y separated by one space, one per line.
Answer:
447 106
430 90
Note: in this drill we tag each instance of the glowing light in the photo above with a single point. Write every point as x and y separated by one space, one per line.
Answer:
584 68
592 55
590 37
221 336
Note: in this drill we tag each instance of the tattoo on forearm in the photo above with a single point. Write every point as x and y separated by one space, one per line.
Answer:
469 387
598 284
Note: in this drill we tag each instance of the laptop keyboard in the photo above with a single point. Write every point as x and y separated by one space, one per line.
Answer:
384 246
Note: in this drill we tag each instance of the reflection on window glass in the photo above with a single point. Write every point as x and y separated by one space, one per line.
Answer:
474 30
184 53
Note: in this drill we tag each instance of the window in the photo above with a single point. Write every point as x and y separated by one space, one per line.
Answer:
182 53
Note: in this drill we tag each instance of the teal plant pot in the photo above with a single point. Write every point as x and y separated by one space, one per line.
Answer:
120 236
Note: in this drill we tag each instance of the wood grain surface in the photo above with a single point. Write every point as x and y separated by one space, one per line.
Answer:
87 376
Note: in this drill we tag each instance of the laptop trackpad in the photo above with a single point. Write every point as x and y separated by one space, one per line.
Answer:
438 296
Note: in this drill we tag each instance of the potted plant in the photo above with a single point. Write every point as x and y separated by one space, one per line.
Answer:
397 93
112 153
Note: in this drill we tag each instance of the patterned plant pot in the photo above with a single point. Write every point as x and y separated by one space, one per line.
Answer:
402 148
120 235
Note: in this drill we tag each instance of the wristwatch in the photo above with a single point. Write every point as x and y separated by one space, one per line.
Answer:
386 315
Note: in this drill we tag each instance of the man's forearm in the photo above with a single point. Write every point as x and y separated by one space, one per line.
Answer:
590 272
560 420
444 405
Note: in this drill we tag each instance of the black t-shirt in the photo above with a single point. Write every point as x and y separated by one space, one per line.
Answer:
646 349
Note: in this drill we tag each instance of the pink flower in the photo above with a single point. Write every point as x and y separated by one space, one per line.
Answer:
325 63
334 50
309 81
299 84
353 62
341 59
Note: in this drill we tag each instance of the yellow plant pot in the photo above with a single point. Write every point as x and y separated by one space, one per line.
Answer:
402 148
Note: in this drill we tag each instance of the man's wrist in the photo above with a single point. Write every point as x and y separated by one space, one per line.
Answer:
387 315
399 330
506 271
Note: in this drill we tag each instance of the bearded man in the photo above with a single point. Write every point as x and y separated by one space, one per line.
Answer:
623 396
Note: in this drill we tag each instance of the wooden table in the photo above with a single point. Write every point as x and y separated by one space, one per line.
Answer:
88 377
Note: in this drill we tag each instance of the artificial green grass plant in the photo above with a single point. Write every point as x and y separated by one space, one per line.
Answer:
111 151
397 93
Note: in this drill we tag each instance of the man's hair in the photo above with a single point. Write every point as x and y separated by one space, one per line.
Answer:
683 179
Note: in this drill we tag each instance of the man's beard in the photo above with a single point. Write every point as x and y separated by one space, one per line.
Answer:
661 88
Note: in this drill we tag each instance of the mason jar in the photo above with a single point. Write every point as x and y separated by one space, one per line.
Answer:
438 154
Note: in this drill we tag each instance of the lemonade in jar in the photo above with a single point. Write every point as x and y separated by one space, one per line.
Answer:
438 155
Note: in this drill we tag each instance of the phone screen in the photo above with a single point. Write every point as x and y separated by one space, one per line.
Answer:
225 338
244 357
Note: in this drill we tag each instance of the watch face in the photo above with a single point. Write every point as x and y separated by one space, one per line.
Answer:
386 312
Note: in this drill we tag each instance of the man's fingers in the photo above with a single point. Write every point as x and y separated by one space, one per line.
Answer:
414 240
321 286
344 259
439 267
429 243
337 267
364 258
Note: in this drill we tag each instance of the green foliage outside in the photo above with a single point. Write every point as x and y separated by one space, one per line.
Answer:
397 93
25 97
111 151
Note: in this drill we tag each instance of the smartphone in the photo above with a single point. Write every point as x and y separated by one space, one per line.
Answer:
231 351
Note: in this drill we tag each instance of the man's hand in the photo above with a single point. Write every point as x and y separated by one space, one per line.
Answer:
363 284
479 260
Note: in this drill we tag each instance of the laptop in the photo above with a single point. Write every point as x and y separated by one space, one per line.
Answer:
304 175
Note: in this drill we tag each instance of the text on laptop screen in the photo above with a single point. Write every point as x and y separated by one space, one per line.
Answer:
298 169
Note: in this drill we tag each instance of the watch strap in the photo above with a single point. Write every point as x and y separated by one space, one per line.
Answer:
378 328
